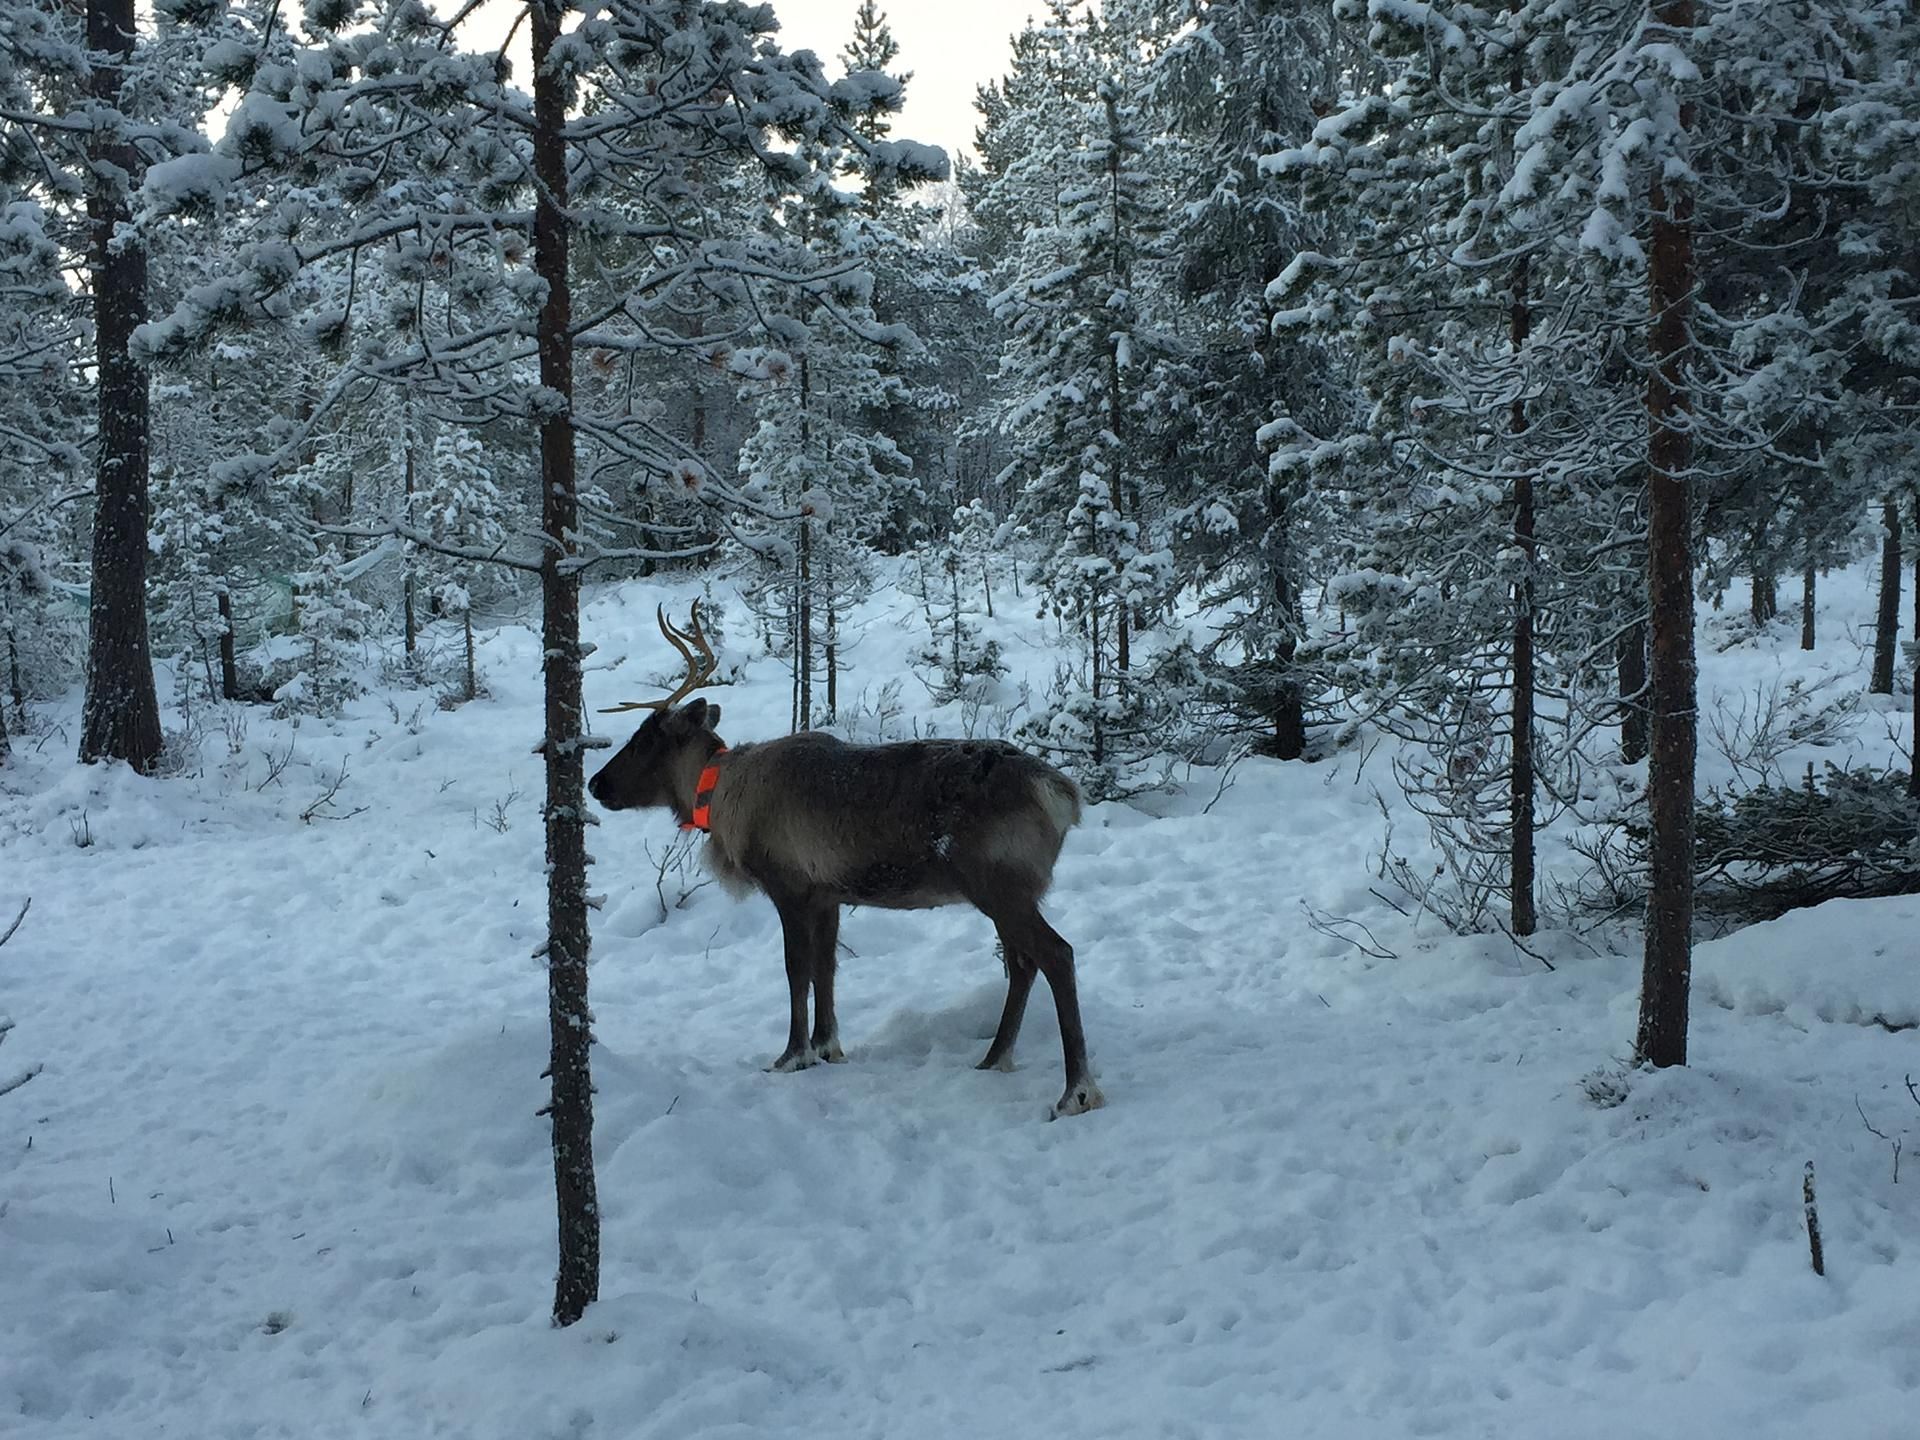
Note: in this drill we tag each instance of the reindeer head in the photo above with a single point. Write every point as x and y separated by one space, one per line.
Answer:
659 765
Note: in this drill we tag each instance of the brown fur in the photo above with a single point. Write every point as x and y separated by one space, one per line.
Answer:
816 823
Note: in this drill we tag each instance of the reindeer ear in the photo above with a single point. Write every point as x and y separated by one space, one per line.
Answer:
713 716
696 712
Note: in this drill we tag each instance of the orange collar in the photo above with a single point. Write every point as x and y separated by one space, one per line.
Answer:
703 794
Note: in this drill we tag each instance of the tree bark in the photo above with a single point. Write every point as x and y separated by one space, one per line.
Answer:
1913 759
577 1283
1886 629
1520 773
410 626
1808 580
121 718
1763 600
229 661
1667 971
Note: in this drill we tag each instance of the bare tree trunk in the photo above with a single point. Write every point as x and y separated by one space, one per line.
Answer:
1520 774
1808 578
803 655
1667 971
121 720
473 681
1886 629
577 1283
13 679
229 661
831 650
410 629
1099 724
1913 760
1763 602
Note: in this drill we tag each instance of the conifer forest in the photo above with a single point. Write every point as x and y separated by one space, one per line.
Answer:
1439 478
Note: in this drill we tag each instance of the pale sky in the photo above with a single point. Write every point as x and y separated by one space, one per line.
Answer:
950 47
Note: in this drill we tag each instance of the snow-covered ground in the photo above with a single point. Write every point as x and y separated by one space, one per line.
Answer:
282 1174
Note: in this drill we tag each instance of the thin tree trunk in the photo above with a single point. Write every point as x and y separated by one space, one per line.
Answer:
1520 773
410 629
473 681
229 660
804 655
1807 584
1913 760
1763 602
1099 724
1667 972
1886 629
577 1282
831 650
121 719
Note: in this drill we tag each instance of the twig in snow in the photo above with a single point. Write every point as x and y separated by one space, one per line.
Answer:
1226 777
25 905
1386 900
1873 1129
1515 941
1813 1222
276 764
319 808
1328 925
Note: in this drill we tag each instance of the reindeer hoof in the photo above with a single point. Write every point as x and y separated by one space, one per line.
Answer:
1002 1063
793 1060
831 1052
1078 1100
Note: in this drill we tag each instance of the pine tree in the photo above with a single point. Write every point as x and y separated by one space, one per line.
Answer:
634 145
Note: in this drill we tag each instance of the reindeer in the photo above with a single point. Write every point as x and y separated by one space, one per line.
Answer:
815 823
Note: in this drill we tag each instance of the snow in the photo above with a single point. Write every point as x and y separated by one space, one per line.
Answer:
282 1173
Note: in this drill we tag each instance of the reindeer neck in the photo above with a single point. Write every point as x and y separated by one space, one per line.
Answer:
693 785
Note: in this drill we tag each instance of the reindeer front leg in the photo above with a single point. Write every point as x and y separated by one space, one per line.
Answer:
826 947
800 927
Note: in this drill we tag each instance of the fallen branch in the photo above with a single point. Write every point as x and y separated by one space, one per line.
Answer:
25 905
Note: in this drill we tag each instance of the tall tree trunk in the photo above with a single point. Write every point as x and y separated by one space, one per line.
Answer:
1886 629
1667 972
229 661
1808 579
1093 648
473 680
121 719
1289 714
1520 774
830 651
803 628
1913 760
409 622
1763 601
577 1283
14 684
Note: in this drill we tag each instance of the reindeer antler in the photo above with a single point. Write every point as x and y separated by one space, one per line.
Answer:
694 649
